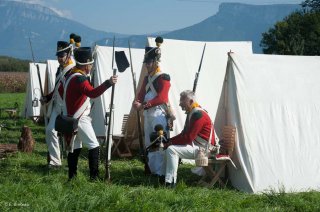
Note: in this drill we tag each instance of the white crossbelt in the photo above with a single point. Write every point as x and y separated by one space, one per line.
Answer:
83 107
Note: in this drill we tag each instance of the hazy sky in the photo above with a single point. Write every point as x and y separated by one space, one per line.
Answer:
141 16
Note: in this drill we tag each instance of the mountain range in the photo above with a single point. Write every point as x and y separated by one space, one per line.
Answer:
22 22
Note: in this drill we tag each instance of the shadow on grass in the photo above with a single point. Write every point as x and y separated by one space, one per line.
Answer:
40 153
131 173
133 177
41 169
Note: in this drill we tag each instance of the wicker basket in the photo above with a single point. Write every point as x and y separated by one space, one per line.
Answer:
202 158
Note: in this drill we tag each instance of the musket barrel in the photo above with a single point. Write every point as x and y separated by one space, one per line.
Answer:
108 144
195 83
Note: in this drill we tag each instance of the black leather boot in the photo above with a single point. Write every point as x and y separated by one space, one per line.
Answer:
73 159
94 163
170 185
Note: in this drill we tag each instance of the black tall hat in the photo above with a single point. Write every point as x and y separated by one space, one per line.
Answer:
152 54
63 48
77 39
72 38
83 56
159 39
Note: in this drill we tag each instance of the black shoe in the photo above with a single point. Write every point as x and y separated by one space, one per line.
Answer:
170 185
73 159
94 163
147 171
162 179
70 178
95 179
54 167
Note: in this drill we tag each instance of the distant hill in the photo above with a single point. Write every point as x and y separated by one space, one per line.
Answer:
19 21
236 22
233 22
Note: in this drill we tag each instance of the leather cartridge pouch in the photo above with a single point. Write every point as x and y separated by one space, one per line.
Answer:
65 124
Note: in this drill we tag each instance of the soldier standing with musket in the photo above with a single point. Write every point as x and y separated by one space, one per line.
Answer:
153 99
76 91
64 52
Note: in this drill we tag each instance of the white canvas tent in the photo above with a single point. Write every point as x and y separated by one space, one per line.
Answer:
273 101
181 59
52 67
33 90
124 94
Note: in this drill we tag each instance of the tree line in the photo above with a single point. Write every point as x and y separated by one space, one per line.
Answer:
10 64
297 34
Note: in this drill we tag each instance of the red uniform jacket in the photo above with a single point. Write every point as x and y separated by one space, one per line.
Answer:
78 90
200 125
161 85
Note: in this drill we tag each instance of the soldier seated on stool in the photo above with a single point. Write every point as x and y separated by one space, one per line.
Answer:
77 91
198 133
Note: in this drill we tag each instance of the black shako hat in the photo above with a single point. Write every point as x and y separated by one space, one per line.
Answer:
63 47
152 54
77 40
83 56
71 36
159 39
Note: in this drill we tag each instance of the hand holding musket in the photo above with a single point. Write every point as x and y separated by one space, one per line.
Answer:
43 100
113 79
137 105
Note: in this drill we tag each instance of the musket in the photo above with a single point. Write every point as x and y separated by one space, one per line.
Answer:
108 145
40 82
195 83
141 142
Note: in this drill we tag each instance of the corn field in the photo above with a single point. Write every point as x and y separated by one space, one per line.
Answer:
13 82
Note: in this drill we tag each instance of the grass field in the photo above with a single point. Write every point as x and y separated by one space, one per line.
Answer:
27 185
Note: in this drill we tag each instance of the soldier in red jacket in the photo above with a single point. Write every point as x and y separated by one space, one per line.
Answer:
76 91
153 99
198 133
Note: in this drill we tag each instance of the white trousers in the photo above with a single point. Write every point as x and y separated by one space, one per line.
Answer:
152 117
85 134
171 159
53 141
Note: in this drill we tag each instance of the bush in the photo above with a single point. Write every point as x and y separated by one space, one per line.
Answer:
9 64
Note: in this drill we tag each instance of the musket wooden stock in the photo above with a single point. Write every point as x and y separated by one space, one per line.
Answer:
141 143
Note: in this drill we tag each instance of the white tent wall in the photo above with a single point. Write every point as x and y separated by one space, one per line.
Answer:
124 94
52 67
273 101
181 59
33 90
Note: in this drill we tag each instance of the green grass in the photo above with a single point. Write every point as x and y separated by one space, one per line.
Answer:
27 185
